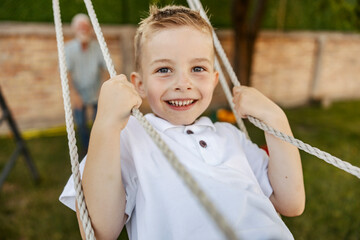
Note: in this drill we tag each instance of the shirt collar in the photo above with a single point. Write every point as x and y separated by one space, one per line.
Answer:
163 125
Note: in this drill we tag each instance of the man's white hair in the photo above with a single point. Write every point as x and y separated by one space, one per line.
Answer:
78 18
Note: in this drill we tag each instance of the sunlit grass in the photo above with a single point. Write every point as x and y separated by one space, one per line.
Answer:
30 211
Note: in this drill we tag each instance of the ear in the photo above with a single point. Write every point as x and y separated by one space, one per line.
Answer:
216 78
138 83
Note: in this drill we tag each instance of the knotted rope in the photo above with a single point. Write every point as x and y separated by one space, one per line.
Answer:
172 159
347 167
84 216
194 5
170 156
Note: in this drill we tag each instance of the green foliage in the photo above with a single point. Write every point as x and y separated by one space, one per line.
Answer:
29 211
340 15
337 15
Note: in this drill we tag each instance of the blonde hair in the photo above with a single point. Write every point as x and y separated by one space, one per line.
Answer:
167 17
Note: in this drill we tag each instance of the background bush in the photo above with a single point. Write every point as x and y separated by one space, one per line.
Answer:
338 15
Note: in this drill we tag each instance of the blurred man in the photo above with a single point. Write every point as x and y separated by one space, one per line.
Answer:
85 64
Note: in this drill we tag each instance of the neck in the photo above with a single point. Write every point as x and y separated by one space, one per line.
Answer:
84 45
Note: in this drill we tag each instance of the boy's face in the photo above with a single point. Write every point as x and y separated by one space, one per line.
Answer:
177 74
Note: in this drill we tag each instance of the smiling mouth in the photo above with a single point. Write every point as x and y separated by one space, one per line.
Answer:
181 103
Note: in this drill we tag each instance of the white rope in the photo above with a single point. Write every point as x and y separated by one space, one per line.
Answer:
178 167
100 37
188 179
229 97
85 219
347 167
196 5
170 156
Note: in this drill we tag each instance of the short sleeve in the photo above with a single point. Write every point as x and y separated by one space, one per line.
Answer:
258 161
129 177
68 196
128 170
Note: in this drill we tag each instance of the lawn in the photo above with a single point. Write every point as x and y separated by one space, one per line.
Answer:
32 211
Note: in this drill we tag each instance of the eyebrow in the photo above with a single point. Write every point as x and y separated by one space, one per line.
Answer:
169 61
163 60
201 60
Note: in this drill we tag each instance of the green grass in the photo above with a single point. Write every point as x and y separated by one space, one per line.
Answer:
32 211
332 195
29 211
332 206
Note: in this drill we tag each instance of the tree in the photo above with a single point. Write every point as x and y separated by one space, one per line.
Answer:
357 14
246 17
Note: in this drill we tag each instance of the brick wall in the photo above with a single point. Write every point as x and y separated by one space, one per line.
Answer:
29 76
290 68
293 68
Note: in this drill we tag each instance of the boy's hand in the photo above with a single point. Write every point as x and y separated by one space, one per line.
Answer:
117 97
284 169
103 163
250 102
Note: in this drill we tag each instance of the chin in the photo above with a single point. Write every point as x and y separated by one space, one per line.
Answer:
177 121
183 122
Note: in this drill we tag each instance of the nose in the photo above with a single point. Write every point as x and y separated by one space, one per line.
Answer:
183 82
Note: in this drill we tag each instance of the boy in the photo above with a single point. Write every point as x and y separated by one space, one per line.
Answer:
175 72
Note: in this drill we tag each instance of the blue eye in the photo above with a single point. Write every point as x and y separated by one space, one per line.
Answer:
198 69
163 70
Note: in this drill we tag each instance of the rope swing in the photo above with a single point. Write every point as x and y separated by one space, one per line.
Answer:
189 181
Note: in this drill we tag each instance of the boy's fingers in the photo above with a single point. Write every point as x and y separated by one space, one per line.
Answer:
120 81
119 78
237 96
237 89
138 103
122 78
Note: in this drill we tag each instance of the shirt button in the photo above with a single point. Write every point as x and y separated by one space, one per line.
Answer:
189 131
203 143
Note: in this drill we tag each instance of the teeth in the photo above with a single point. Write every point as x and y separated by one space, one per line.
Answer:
180 103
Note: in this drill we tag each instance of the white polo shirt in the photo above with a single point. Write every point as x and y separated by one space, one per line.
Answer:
228 167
